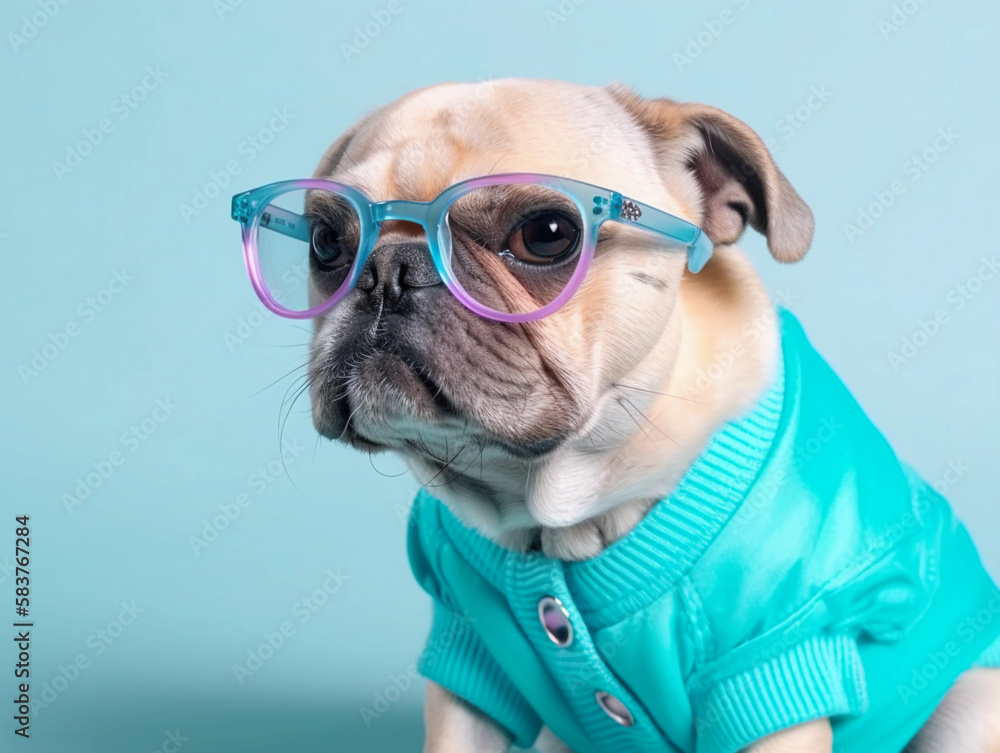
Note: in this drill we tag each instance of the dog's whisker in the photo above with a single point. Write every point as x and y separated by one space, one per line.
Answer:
655 392
465 433
445 467
316 448
371 462
348 155
282 421
347 424
299 386
636 408
455 473
634 419
269 386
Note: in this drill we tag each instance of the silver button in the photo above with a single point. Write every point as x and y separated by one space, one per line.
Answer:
614 708
555 620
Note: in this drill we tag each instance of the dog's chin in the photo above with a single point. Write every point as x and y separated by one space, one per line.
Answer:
388 403
378 402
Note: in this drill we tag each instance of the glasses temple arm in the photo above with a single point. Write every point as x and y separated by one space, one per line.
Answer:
285 222
699 246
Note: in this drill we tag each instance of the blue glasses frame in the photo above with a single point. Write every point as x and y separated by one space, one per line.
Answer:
255 212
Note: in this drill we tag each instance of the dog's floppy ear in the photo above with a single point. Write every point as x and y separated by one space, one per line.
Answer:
739 182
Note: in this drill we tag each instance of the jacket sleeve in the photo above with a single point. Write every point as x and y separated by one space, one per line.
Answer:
853 648
821 676
455 656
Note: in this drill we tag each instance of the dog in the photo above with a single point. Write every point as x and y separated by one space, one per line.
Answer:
557 439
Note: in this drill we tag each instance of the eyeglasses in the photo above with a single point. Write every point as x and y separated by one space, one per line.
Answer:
512 247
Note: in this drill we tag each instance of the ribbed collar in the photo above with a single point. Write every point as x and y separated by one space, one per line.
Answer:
643 565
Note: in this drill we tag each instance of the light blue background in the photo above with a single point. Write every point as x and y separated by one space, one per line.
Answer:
164 336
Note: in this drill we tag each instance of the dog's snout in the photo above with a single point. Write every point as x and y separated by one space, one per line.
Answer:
394 269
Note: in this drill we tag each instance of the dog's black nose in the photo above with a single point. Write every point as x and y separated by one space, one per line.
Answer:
395 269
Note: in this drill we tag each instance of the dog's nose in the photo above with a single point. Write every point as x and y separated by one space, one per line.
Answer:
395 269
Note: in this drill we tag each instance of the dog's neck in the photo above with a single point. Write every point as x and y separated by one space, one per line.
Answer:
645 433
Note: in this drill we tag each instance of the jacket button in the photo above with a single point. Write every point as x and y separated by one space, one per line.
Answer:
614 708
555 620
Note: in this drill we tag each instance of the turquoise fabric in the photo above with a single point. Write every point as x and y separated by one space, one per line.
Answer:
799 570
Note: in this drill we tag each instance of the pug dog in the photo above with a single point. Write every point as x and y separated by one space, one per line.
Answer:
556 437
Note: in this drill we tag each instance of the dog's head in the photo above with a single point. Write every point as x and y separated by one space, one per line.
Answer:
518 425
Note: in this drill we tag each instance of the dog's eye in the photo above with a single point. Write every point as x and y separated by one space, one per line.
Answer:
545 238
326 246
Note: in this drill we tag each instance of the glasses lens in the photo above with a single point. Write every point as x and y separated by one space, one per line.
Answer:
513 247
307 241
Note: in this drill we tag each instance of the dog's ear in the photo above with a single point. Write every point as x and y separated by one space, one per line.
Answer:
738 180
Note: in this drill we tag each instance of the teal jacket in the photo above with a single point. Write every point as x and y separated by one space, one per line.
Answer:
799 570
